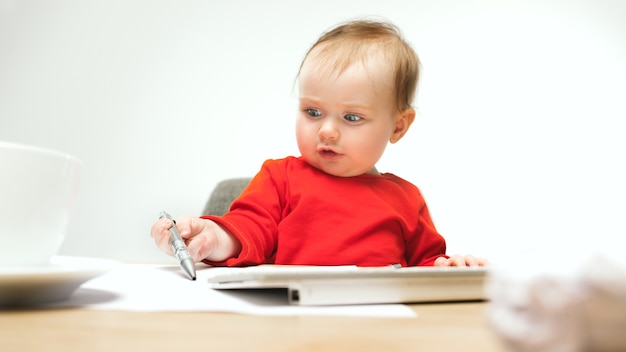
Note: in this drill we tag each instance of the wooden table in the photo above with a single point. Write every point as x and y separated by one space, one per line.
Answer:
438 327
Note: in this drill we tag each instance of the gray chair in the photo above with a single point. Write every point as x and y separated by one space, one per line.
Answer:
223 195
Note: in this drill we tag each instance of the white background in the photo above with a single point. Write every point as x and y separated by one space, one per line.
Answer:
518 144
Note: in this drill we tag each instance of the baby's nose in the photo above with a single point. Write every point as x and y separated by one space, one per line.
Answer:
328 131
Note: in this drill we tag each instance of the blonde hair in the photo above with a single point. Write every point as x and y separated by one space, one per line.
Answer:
364 39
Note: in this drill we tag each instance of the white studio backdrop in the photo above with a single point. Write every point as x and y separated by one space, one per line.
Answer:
518 144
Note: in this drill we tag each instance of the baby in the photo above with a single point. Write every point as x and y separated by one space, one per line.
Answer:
330 205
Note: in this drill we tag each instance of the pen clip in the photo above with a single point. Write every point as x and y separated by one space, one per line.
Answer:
167 216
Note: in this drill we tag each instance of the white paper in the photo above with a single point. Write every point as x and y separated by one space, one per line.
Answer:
565 302
150 288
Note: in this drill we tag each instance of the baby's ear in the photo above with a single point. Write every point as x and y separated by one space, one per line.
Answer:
404 119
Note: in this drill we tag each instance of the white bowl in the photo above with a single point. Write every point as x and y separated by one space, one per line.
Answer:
38 190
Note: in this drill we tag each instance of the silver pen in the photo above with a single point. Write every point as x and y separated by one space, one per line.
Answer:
180 250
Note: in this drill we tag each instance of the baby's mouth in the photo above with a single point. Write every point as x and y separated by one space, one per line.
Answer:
328 153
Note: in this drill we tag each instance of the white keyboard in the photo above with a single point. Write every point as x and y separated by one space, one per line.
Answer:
322 285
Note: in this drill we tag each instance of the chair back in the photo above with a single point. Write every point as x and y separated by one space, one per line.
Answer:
223 195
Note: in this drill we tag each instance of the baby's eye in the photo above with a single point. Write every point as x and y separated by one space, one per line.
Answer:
313 112
352 118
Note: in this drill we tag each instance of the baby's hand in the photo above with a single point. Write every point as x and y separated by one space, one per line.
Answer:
204 238
459 260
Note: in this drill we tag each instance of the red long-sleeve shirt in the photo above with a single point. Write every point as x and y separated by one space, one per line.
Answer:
293 213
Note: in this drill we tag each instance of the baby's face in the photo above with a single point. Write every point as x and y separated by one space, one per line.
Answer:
345 120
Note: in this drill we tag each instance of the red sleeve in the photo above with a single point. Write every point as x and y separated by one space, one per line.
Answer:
427 245
253 219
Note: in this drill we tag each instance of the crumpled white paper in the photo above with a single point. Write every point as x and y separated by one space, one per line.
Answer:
565 304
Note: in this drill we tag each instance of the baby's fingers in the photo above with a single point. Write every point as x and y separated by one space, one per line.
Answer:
459 260
188 226
201 246
161 235
470 260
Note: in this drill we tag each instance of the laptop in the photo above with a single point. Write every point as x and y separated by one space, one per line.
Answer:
345 285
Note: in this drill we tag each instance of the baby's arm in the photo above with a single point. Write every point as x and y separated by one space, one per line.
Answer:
204 238
459 260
